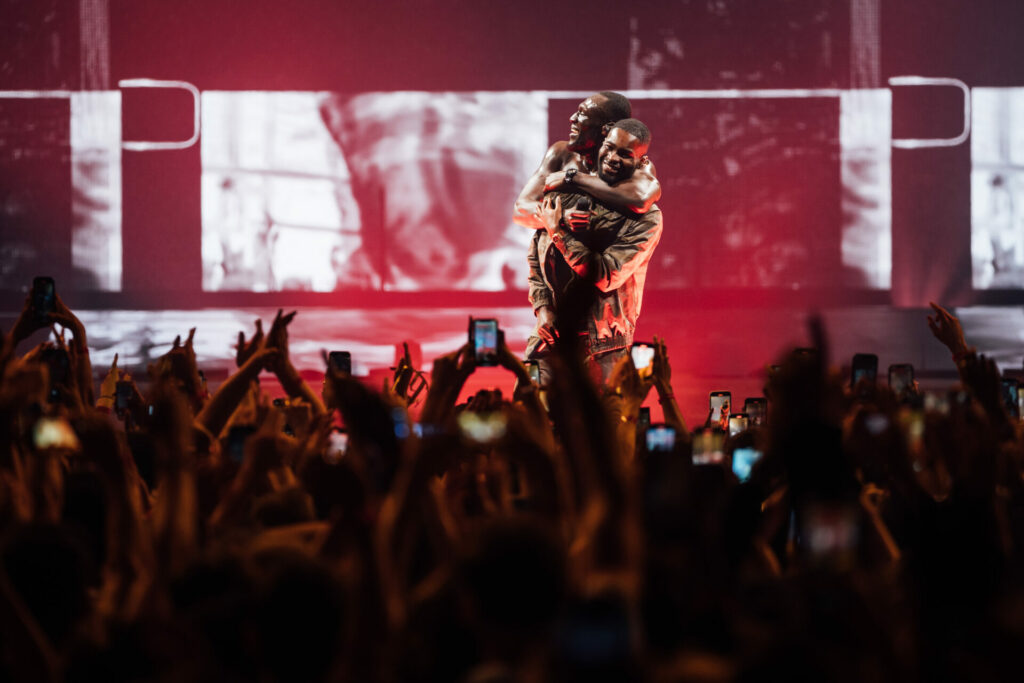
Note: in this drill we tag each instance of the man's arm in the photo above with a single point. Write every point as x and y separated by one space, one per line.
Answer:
540 296
635 196
607 269
528 203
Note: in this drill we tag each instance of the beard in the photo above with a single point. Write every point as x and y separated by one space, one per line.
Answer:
611 178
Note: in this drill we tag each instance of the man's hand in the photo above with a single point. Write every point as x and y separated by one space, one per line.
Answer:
577 219
277 338
947 329
551 213
546 325
243 350
661 371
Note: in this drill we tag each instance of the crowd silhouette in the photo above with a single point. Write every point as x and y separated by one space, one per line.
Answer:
155 530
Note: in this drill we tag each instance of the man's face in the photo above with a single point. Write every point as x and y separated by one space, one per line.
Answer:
619 156
585 124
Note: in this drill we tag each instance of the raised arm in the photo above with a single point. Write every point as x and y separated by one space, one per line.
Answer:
636 195
528 203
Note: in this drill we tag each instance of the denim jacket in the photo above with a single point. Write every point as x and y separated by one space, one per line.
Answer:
613 251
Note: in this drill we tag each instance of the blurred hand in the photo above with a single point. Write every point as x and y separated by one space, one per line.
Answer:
108 387
546 327
277 337
661 373
63 315
947 329
625 381
244 350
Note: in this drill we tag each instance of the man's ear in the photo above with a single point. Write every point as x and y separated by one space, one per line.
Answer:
606 128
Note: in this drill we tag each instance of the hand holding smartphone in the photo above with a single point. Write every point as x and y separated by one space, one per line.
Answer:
341 361
44 298
865 367
643 358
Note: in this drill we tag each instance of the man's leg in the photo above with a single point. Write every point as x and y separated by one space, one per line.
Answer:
602 364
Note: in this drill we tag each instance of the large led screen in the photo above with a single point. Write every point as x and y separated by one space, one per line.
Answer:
997 188
413 191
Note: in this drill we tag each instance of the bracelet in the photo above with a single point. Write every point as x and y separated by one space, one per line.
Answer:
570 176
667 397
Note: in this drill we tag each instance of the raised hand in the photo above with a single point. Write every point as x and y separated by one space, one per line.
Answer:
108 387
947 329
243 349
277 337
661 372
625 381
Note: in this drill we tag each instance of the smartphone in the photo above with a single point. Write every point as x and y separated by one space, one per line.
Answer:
533 370
44 297
337 445
901 378
643 420
341 361
484 336
876 423
1011 395
59 365
54 432
831 531
660 438
400 423
738 422
709 447
483 428
237 436
743 460
643 357
865 366
122 396
756 408
719 401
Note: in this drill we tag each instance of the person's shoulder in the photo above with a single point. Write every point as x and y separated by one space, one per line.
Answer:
558 155
651 217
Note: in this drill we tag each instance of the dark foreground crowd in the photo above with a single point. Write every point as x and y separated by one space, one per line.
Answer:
183 535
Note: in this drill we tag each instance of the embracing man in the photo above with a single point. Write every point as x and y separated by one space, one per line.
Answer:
572 164
601 242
